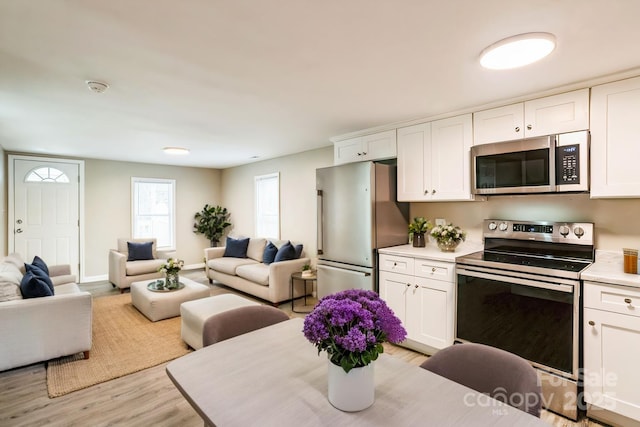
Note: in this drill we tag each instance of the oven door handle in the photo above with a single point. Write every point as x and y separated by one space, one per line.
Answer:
554 287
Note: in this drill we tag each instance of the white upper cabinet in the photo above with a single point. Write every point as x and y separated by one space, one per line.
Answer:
377 146
615 148
566 112
433 160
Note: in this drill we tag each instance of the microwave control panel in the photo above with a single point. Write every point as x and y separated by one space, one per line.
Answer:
568 164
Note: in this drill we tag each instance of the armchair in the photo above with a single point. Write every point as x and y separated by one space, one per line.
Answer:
122 272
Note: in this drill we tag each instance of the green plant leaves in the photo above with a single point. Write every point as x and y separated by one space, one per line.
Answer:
211 221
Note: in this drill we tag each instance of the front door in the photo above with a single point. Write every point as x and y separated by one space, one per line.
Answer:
45 207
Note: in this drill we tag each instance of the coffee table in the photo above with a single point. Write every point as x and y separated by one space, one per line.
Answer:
163 305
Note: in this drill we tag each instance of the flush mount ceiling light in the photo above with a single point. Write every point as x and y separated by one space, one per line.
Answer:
517 51
97 87
176 151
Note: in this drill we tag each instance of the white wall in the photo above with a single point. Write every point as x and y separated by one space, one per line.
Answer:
297 195
617 221
108 207
3 204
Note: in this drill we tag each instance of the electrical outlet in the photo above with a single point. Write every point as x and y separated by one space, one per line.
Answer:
441 221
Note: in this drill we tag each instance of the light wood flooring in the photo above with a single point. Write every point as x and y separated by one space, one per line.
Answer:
146 398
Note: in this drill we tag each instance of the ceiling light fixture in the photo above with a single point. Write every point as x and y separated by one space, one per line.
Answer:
517 51
97 87
176 151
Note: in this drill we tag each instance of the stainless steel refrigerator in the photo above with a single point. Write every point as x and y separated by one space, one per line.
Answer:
357 214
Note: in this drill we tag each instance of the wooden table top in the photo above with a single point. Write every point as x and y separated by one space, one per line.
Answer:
274 376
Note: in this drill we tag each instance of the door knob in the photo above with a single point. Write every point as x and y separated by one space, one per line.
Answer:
19 230
19 221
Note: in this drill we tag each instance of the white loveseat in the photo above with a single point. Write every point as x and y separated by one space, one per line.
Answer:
270 282
38 329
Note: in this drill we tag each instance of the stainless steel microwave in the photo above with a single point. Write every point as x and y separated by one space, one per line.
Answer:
548 164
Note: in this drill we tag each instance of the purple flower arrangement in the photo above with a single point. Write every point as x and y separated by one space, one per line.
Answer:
351 326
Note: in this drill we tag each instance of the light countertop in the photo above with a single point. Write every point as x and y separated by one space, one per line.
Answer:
608 268
432 252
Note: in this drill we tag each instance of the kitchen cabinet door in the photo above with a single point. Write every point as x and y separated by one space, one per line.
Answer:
414 152
566 112
347 151
614 139
611 354
430 309
498 124
393 290
451 141
377 146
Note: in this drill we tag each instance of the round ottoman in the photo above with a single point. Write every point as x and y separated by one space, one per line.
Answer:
163 305
195 313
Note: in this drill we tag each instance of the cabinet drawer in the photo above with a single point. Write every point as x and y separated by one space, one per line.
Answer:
396 264
434 270
617 299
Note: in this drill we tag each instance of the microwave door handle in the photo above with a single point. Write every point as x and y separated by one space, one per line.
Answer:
553 144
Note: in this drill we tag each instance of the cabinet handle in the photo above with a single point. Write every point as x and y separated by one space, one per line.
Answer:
628 300
395 263
433 191
529 127
408 285
433 269
359 154
417 286
364 153
517 129
592 323
426 192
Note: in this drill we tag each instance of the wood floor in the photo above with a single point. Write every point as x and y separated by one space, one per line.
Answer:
146 398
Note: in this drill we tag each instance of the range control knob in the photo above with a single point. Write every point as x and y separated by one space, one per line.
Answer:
492 226
564 230
503 226
578 231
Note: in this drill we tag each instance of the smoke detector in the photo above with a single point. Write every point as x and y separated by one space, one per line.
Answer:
97 87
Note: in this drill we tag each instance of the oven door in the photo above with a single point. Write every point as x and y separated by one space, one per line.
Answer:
524 166
535 318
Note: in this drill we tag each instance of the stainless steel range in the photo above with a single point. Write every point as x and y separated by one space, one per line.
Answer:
523 294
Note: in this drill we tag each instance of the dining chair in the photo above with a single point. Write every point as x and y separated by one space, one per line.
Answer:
502 375
238 321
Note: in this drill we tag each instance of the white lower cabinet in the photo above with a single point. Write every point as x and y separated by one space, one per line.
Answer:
612 351
421 294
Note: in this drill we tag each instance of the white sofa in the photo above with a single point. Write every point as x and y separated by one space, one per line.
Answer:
38 329
268 282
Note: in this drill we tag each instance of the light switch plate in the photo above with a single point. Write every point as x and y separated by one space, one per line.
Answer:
441 221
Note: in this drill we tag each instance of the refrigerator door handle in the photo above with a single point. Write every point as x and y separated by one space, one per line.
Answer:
320 222
356 272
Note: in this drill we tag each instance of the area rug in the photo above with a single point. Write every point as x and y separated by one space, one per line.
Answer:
124 342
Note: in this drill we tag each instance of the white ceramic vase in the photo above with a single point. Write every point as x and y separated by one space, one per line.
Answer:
353 391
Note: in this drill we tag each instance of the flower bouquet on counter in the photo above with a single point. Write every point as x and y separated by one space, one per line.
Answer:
448 237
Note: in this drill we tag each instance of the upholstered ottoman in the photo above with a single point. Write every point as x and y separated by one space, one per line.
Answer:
195 313
163 305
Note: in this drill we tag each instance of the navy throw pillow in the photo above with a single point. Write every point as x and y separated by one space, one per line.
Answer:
285 253
39 262
236 248
140 251
39 274
269 254
298 249
33 287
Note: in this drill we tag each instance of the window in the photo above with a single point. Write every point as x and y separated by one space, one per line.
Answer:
47 174
153 205
267 190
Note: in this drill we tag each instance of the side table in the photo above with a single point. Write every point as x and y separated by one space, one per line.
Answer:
297 276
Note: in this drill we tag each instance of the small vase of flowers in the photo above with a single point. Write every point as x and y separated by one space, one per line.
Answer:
448 237
171 269
351 326
417 230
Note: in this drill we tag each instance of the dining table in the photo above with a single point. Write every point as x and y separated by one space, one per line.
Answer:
274 377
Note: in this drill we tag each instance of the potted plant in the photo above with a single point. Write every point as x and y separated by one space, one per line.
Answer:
306 271
448 237
351 326
212 221
417 230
